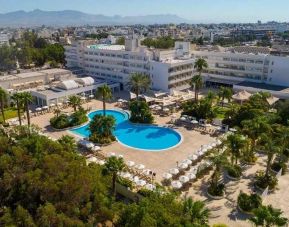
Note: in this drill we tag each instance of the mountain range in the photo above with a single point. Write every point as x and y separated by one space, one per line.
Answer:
77 18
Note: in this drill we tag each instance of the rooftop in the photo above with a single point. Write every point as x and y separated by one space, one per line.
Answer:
263 86
106 47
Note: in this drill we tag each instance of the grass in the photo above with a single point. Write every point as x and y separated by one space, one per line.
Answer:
9 113
221 111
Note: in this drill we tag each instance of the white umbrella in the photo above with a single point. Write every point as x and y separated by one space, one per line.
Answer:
233 130
193 157
120 156
183 119
83 98
183 166
150 187
91 96
213 144
193 170
130 163
188 161
111 154
166 109
89 145
219 142
45 107
147 172
158 108
194 122
141 183
191 176
184 179
59 104
139 166
135 179
101 162
38 109
176 184
209 147
95 148
52 105
204 150
167 176
91 159
126 175
174 171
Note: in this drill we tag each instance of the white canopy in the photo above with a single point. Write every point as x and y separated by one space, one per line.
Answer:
150 187
130 163
242 96
87 81
174 171
167 176
140 166
176 184
184 179
68 85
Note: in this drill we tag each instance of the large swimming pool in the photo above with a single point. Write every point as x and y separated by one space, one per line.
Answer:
142 137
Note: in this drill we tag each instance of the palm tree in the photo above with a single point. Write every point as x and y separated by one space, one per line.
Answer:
114 165
17 98
3 101
27 99
196 212
138 83
218 161
225 93
105 93
196 83
235 144
268 216
200 65
74 101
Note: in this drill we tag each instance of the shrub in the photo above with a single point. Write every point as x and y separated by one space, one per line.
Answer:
145 192
249 202
216 190
234 171
263 181
220 225
60 122
140 112
99 139
63 121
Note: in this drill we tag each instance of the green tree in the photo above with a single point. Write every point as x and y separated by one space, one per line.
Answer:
3 102
139 83
268 216
225 93
196 212
27 100
200 65
68 143
235 145
17 98
140 112
74 101
113 165
197 83
104 92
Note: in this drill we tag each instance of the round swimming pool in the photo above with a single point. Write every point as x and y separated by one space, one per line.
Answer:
142 137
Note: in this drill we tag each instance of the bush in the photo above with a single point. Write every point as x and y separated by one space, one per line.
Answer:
216 190
234 171
63 121
140 112
262 181
220 225
249 202
145 192
99 139
60 122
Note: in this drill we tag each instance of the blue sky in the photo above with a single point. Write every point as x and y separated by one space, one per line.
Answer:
195 10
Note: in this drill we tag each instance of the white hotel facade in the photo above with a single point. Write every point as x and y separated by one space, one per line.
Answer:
167 69
173 69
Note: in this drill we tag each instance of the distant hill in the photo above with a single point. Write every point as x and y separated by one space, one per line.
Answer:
70 17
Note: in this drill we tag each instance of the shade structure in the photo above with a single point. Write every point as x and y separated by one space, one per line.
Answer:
174 171
271 100
187 161
139 166
194 122
141 183
183 166
150 187
167 176
176 184
45 107
184 179
38 109
130 163
191 176
242 96
193 157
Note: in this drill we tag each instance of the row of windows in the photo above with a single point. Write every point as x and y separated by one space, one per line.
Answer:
179 84
125 56
242 75
244 60
180 76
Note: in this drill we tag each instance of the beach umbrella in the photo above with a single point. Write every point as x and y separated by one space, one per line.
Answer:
150 187
193 170
38 109
83 98
219 142
112 154
183 119
120 156
101 162
130 163
167 176
126 175
174 171
166 109
147 172
188 161
95 148
213 144
45 107
233 130
91 96
194 122
191 176
139 166
158 108
135 179
141 183
184 179
176 184
52 105
183 166
89 145
193 157
91 159
209 147
60 104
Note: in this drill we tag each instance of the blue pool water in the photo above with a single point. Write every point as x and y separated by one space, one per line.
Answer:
144 137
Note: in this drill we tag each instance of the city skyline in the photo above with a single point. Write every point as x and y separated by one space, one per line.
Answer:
198 12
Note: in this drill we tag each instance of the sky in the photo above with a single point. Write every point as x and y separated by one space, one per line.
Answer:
195 10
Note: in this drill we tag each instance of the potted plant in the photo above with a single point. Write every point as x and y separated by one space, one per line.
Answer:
247 203
263 180
234 172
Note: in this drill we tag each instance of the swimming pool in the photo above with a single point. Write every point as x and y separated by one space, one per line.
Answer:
142 137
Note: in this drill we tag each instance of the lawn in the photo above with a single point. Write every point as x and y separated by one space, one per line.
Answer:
9 113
